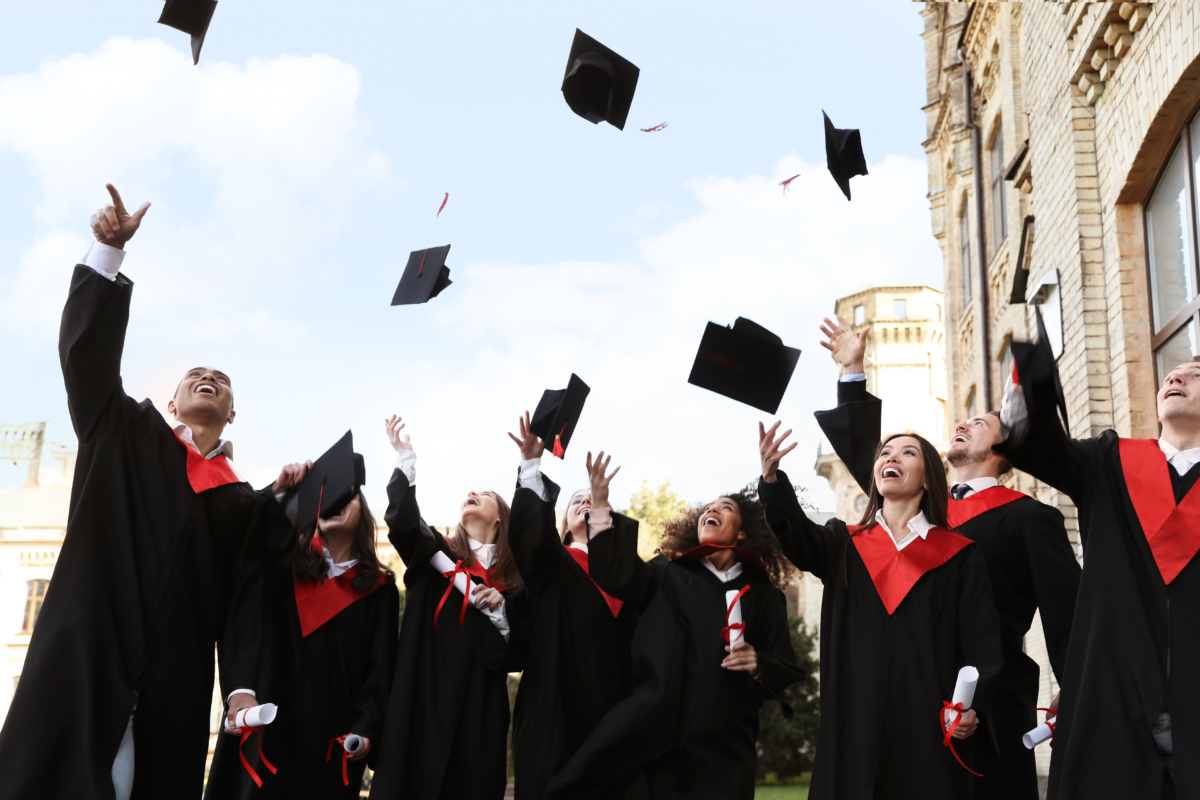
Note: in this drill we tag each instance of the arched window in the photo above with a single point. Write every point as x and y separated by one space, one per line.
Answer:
999 218
964 252
35 593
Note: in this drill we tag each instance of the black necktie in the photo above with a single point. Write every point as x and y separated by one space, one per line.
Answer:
959 491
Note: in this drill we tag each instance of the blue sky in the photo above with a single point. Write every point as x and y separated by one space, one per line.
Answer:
293 171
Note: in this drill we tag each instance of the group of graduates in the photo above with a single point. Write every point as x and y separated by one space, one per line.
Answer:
640 679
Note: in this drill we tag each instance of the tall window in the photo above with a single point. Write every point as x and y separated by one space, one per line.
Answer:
964 252
999 218
937 311
1171 255
901 309
860 315
35 593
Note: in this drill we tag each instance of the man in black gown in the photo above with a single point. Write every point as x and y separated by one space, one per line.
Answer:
1030 563
1129 716
159 563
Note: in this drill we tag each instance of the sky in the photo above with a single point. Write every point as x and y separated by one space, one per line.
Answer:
292 172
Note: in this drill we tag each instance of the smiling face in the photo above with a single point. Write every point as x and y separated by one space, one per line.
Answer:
972 441
345 521
204 396
900 469
1179 397
479 507
721 523
580 503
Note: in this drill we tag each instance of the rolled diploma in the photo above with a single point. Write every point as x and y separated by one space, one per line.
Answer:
964 690
353 743
735 616
255 716
1039 734
461 582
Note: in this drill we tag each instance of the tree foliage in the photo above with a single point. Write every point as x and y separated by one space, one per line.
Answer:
653 509
786 747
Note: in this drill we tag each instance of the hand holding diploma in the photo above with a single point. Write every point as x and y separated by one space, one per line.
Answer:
742 656
357 746
958 719
239 703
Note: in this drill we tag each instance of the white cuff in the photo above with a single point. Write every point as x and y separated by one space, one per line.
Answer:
104 259
850 377
530 477
499 618
406 462
236 691
599 520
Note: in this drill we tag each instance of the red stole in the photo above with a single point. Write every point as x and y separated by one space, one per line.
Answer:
895 572
747 558
970 507
320 601
581 558
207 473
1173 531
484 575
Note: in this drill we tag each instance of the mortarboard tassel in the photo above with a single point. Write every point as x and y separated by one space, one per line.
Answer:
318 541
558 448
422 267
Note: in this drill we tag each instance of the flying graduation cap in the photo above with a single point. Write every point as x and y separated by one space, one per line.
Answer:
331 483
598 84
558 413
843 154
746 363
191 17
424 277
1036 366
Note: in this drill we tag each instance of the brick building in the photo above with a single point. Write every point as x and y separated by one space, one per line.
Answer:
1062 144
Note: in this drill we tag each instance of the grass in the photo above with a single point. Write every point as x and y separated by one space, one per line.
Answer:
781 793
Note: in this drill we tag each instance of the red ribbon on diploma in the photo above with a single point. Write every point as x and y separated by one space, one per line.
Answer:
737 626
345 756
958 710
458 568
1049 722
246 735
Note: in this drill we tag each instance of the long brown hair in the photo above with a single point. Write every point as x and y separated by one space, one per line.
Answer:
682 534
309 564
504 571
933 502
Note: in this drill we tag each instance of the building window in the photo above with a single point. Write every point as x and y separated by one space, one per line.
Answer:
972 404
937 311
964 253
35 593
1171 255
999 218
860 315
900 309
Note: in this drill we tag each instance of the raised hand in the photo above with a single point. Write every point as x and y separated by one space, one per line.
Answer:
846 345
290 475
769 450
113 225
598 481
393 426
531 446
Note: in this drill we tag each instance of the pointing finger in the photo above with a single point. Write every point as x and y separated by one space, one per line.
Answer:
116 196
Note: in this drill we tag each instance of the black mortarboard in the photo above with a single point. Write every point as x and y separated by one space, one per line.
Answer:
746 363
843 154
558 413
1037 369
598 84
331 483
191 17
424 277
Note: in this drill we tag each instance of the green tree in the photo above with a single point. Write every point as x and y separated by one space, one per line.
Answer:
786 747
653 509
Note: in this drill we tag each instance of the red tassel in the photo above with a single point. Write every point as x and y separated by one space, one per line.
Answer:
422 268
558 448
318 541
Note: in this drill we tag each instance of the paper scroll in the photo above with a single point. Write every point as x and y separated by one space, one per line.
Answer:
964 690
1039 734
462 581
353 743
255 716
733 604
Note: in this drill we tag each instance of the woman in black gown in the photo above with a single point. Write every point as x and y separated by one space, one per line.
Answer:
446 730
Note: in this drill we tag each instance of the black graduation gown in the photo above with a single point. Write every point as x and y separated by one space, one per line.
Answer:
446 729
1030 565
690 727
884 677
332 682
577 664
1118 675
150 576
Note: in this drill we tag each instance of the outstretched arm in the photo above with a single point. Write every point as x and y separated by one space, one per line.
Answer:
853 428
407 532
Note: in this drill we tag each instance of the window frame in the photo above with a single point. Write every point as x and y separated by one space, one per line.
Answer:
31 596
964 254
998 200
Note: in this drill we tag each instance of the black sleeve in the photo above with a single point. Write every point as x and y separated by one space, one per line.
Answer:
777 668
91 339
371 702
811 547
616 567
1056 575
533 536
239 645
415 541
853 428
979 634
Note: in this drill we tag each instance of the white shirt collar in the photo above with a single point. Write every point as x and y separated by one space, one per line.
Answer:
224 446
485 554
978 485
1180 460
918 526
727 575
578 546
332 570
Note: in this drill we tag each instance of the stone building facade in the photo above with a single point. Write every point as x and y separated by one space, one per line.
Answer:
1062 143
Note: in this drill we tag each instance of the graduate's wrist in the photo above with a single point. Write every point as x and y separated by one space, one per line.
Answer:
770 477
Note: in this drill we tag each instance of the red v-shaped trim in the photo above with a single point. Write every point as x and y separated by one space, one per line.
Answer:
894 572
317 602
207 473
485 575
581 558
1172 531
969 508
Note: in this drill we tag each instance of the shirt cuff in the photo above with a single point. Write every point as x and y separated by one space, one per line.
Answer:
530 477
849 377
238 691
104 259
406 462
498 616
599 520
